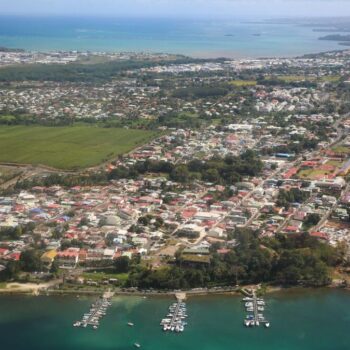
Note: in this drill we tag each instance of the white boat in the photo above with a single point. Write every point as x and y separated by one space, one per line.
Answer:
137 345
130 324
267 324
247 299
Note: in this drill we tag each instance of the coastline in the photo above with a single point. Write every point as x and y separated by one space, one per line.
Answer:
38 290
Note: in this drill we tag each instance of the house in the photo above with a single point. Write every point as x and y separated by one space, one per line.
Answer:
190 230
216 232
68 259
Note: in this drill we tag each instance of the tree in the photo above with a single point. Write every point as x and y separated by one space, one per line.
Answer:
122 264
30 261
211 175
180 174
312 219
54 267
84 221
11 271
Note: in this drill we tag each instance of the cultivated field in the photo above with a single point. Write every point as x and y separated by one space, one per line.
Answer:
242 83
67 147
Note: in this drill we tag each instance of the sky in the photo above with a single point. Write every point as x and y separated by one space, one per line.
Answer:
179 8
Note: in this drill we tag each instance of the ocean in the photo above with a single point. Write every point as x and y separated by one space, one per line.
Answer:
302 320
236 38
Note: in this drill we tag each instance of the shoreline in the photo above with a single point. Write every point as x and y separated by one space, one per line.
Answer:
39 291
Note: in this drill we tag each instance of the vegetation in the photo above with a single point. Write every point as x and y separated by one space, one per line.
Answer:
217 170
79 72
291 260
14 233
67 147
294 195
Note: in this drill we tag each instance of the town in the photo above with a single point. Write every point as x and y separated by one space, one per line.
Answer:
252 162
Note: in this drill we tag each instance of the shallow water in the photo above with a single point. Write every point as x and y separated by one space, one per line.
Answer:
235 38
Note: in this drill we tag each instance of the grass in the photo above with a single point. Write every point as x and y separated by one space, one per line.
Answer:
341 149
335 163
242 83
7 174
312 174
296 78
100 276
71 147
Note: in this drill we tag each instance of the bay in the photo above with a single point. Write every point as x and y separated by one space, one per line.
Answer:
303 320
200 38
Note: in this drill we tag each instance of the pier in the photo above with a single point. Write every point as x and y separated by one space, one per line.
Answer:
97 311
255 306
175 320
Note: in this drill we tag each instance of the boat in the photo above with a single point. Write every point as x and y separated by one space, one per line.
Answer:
130 324
137 345
267 324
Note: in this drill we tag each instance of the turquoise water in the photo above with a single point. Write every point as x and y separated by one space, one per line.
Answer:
197 38
308 320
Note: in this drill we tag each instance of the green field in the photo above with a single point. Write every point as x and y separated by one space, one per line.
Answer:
312 174
67 147
242 83
100 276
341 149
297 78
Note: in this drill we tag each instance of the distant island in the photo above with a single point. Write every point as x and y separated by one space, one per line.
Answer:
7 49
336 37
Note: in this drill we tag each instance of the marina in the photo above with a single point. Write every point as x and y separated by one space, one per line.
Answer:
255 307
46 323
97 311
175 319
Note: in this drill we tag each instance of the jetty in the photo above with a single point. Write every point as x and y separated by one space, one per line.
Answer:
177 314
255 306
97 311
